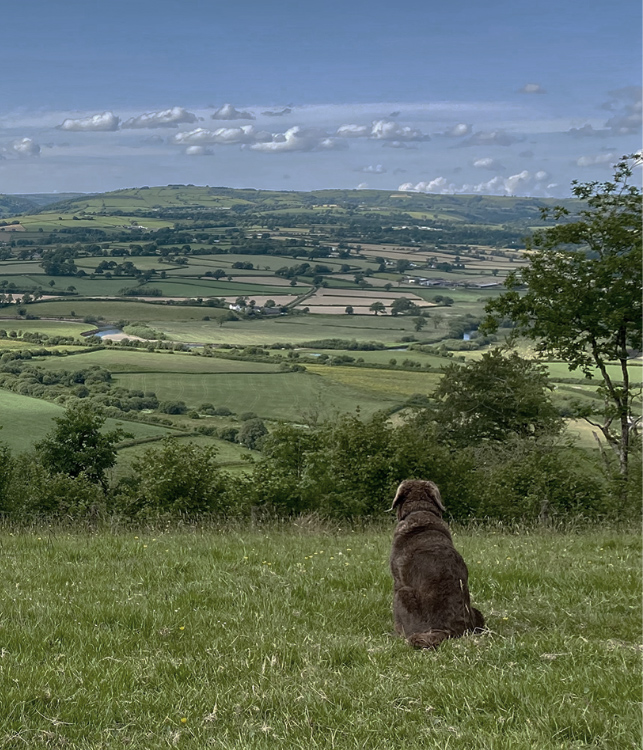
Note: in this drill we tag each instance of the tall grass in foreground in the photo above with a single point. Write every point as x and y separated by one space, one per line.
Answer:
282 638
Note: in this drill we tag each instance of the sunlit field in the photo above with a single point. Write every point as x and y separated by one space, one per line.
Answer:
263 638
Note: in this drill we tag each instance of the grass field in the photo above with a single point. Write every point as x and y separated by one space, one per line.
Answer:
283 639
287 396
25 420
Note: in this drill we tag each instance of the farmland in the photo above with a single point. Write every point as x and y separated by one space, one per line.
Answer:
312 304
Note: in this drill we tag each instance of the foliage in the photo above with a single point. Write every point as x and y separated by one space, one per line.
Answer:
77 446
175 478
252 433
583 296
493 398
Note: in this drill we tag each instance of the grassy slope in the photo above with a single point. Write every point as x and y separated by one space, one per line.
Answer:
248 639
288 396
25 420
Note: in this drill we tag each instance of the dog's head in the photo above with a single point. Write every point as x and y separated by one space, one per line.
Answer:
417 494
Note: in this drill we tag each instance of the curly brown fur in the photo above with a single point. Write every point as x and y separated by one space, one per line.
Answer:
430 579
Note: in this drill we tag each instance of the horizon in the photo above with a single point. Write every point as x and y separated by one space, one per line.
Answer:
493 100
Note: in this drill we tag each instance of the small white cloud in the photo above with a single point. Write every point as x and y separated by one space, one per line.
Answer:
362 186
353 131
532 88
297 139
391 131
488 163
490 138
167 118
246 134
25 147
372 169
398 144
228 112
382 130
597 159
198 151
458 130
104 122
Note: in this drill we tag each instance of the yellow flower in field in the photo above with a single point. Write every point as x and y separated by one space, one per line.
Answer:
182 627
184 720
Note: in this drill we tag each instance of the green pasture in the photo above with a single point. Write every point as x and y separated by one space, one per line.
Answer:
122 309
25 420
391 384
295 329
384 356
229 455
119 360
260 638
276 396
50 327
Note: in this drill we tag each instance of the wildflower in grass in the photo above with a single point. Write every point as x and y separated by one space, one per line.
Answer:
184 720
182 627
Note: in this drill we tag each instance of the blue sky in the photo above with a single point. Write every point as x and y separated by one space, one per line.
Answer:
500 97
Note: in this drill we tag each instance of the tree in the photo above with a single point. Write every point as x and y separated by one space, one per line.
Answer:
419 323
403 305
252 433
377 307
78 446
582 302
349 309
494 398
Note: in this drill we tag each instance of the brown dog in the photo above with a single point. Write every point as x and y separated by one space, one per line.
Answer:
430 578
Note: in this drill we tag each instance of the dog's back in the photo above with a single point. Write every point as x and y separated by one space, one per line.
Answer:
431 592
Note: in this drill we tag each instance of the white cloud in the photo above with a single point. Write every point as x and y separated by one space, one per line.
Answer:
198 151
246 134
382 130
488 163
490 138
167 118
353 131
458 130
106 121
532 88
392 131
298 139
372 169
597 159
522 183
25 147
228 112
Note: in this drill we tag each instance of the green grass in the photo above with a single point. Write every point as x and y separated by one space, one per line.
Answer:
283 639
287 396
25 420
132 360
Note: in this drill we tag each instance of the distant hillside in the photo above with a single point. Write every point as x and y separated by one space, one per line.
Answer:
12 205
176 201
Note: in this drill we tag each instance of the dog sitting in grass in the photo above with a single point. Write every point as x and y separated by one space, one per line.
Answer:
430 579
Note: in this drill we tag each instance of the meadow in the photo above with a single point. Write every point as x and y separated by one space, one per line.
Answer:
282 638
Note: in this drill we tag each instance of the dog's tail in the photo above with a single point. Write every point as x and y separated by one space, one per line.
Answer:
429 639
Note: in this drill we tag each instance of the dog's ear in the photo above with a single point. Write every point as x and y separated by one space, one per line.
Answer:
399 498
435 494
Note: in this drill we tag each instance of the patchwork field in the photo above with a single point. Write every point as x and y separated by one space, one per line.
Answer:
253 639
288 396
